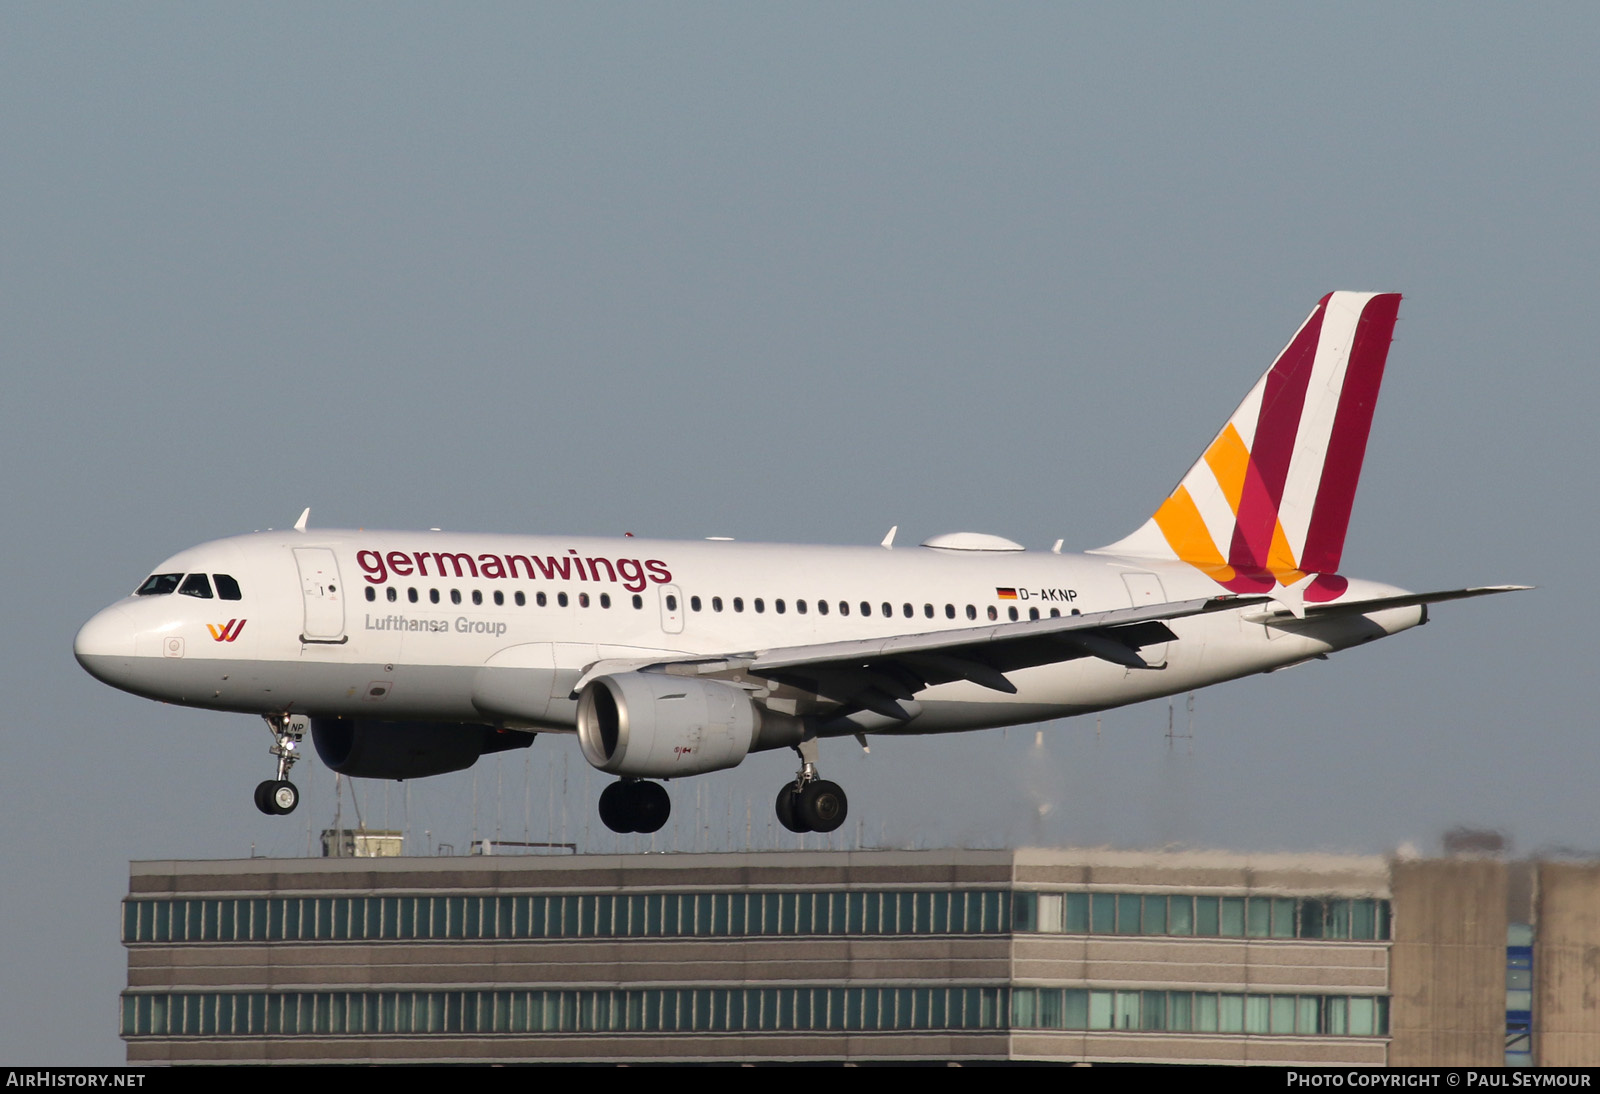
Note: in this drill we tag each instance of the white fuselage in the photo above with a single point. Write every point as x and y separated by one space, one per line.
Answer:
497 629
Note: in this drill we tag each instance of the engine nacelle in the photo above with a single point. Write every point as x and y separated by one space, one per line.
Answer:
406 750
650 724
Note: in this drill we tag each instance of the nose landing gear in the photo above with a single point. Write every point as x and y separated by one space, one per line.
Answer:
810 804
279 796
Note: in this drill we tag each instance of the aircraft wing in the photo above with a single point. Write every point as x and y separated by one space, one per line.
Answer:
879 673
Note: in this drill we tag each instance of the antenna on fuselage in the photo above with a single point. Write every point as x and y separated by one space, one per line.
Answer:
300 525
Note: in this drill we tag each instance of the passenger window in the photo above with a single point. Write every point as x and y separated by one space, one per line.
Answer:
539 599
561 600
694 603
907 611
887 610
993 614
605 600
372 594
777 606
800 606
866 609
392 593
159 585
1012 612
638 601
972 613
1033 613
927 610
822 607
844 607
433 596
672 603
227 588
411 595
716 603
1055 613
761 605
738 603
455 596
499 598
197 585
521 600
583 600
949 611
477 596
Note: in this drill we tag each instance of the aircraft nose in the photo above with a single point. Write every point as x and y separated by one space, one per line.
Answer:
109 635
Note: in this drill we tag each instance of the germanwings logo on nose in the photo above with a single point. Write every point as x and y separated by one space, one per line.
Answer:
226 632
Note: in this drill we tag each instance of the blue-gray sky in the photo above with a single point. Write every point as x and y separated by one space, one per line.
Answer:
795 273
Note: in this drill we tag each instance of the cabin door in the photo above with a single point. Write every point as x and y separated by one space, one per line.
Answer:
322 591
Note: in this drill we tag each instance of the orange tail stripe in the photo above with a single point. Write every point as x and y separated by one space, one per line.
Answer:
1180 521
1279 556
1229 459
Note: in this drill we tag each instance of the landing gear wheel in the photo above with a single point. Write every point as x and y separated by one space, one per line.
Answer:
284 797
822 806
651 807
629 805
276 797
615 813
788 816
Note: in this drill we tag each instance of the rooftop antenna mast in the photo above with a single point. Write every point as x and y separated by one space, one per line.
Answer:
1188 735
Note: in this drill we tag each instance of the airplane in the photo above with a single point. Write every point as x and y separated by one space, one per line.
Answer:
411 654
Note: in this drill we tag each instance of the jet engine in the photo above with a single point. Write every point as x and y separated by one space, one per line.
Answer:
654 725
406 750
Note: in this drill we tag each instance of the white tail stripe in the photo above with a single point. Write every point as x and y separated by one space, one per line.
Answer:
1339 322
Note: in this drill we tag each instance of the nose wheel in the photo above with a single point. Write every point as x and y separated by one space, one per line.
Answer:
632 805
810 804
278 797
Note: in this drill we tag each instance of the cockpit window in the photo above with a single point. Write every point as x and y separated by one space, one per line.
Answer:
159 585
227 588
196 585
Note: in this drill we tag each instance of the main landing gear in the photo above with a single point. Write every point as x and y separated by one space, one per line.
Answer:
632 805
276 797
810 804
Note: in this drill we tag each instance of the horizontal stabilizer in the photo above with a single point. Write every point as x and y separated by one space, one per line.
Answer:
1383 603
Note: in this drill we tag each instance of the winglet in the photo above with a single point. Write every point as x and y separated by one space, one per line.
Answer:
300 525
888 540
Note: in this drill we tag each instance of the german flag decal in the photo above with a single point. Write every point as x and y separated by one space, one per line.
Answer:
1006 594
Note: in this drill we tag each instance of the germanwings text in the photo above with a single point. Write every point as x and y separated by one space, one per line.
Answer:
379 566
